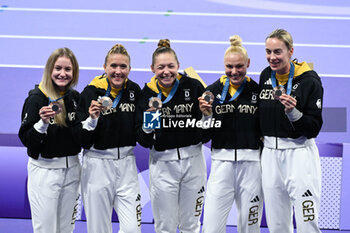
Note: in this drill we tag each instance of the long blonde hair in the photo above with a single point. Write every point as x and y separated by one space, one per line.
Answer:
51 89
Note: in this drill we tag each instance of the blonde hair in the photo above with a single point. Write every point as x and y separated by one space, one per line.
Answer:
49 87
163 47
282 35
236 47
117 49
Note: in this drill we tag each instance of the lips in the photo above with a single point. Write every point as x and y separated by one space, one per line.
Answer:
274 63
166 77
61 79
117 78
236 77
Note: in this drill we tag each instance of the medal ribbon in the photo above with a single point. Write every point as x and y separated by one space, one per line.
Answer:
52 100
171 94
290 79
117 98
225 90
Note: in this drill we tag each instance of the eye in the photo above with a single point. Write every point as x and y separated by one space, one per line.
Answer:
68 69
278 51
58 68
113 65
229 66
123 66
268 51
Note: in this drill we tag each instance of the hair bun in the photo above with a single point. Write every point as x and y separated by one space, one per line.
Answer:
118 47
236 40
164 43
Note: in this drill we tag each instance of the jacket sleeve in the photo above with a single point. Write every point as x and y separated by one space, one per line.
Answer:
84 137
29 136
143 138
208 133
310 123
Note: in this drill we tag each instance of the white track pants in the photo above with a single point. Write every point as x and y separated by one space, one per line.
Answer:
53 194
292 178
108 184
231 181
177 190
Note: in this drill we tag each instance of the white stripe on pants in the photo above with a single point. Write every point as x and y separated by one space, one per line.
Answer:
53 194
108 184
230 181
177 193
289 176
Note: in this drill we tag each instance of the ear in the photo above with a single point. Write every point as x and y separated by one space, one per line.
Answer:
248 62
104 67
152 68
291 51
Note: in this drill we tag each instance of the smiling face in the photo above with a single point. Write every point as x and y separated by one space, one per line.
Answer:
278 55
165 69
117 69
62 73
236 66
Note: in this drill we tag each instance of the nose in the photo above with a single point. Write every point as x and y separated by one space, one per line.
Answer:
272 56
234 71
166 71
62 73
118 70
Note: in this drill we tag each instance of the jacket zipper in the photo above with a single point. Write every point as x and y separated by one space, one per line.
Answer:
178 153
276 124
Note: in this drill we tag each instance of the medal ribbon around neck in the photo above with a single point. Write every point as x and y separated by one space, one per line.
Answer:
117 98
52 100
171 94
225 90
290 79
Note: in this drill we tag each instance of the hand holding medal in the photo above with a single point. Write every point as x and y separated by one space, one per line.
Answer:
208 96
205 103
288 101
95 109
46 112
282 94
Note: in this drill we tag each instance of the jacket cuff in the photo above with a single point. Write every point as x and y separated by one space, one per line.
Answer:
41 126
205 119
90 124
147 131
294 115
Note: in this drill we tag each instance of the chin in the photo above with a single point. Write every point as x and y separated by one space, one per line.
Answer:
117 85
236 82
167 83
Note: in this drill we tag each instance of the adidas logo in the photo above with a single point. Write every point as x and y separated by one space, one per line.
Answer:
256 199
268 82
138 197
201 190
307 194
